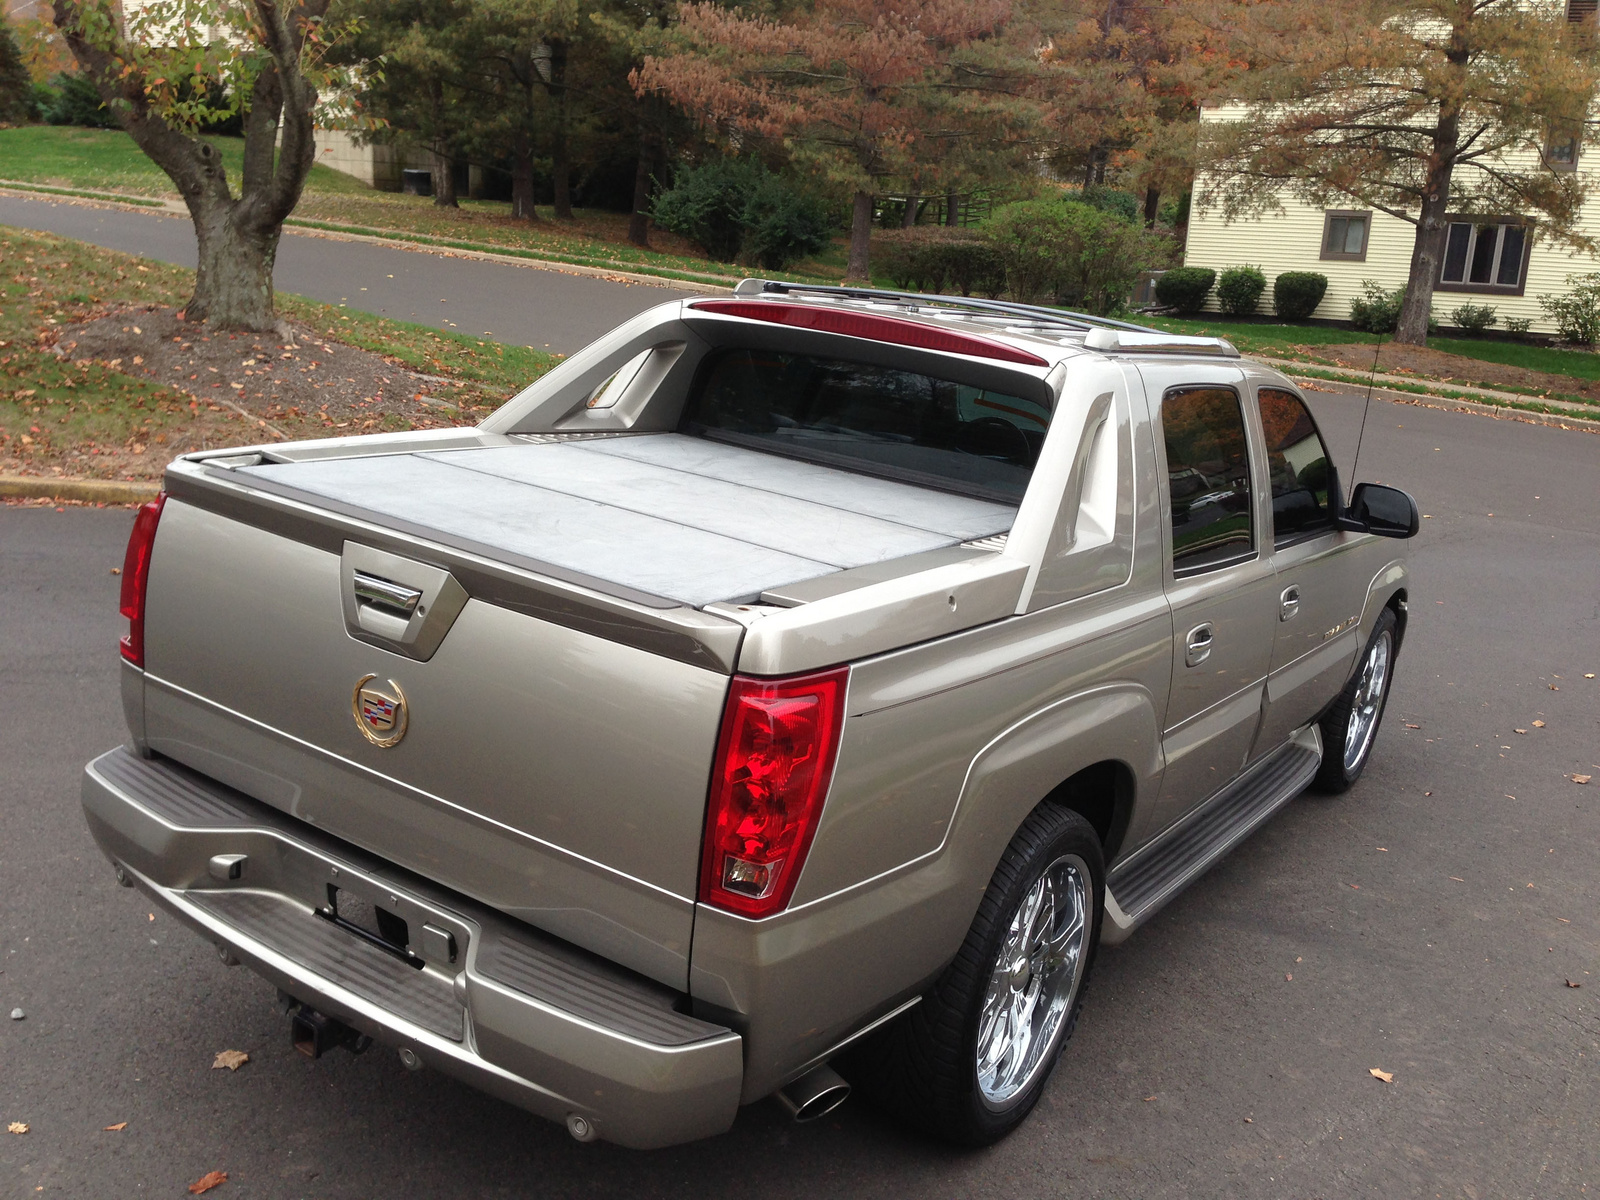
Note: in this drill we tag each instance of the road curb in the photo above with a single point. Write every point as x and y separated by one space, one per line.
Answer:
1450 404
95 491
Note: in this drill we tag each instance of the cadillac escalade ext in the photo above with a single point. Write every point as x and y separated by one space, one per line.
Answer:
809 676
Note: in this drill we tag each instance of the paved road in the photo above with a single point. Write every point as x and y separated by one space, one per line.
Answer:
546 309
1430 919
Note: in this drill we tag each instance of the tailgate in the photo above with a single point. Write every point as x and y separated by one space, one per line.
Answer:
550 772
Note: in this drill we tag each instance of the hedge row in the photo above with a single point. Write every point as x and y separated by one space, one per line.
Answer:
1295 294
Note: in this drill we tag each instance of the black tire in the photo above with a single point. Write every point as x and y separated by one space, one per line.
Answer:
923 1069
1339 770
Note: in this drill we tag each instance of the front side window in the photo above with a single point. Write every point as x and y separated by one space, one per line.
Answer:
1344 236
1485 255
1561 147
1208 472
1303 499
877 420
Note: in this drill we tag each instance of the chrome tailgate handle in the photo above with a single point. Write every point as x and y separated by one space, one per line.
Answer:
397 603
1197 645
386 594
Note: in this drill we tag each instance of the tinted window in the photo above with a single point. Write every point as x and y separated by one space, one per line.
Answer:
1298 462
1208 466
875 419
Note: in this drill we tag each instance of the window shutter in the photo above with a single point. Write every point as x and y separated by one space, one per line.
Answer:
1582 10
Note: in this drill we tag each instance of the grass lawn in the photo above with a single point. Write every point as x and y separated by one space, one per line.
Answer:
85 419
109 161
1577 363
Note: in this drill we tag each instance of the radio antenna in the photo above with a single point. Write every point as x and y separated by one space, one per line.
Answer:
1366 408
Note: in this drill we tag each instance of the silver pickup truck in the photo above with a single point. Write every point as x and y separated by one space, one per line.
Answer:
809 676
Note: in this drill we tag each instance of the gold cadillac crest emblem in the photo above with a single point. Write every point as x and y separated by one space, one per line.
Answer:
381 716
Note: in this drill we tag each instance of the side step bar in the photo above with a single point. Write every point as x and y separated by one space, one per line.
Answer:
1137 887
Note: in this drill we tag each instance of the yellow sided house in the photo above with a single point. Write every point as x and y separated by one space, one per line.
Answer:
1466 123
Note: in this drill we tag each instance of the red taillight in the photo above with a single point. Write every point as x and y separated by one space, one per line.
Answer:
774 762
136 575
869 325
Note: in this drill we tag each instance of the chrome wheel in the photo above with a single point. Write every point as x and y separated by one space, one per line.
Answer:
1367 704
1034 982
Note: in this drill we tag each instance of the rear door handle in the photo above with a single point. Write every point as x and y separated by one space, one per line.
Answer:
1197 644
1289 602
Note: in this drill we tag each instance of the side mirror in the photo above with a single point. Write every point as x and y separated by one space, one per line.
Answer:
1384 511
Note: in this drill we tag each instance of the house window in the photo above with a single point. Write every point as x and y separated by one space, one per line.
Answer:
1485 255
1561 146
1581 10
1344 235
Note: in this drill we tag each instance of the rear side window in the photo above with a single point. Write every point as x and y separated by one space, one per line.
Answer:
1298 462
877 420
1208 468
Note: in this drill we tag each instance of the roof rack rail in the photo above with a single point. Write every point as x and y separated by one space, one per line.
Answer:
1053 316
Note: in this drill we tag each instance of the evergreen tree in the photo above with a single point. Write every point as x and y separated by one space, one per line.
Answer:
16 87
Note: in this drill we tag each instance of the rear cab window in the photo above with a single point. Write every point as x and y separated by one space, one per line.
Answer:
1208 475
871 419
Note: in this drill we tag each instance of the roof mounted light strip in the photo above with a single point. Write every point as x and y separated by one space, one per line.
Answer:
872 326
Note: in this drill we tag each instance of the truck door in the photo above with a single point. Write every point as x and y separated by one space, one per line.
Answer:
1221 587
1321 589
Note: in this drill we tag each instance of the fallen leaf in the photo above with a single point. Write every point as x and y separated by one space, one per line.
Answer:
1519 731
208 1181
1288 978
17 1127
152 916
1458 879
116 570
1409 725
1356 886
117 1128
1590 675
1299 960
1386 1076
1564 921
1581 778
1248 1121
1147 1099
232 1059
1554 688
1571 984
1538 724
1385 849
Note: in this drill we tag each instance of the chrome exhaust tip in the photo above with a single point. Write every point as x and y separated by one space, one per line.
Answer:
814 1095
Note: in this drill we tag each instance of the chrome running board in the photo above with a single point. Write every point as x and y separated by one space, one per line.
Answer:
1137 887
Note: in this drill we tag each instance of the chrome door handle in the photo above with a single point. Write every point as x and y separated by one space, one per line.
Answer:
1289 602
1197 644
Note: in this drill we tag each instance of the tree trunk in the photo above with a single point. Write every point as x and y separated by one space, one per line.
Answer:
522 179
952 208
444 178
643 173
233 276
1427 249
909 217
860 239
1152 206
560 150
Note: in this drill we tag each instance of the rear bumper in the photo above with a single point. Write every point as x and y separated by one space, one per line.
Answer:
524 1017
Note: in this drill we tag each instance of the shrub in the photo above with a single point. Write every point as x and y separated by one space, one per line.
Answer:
1122 204
782 225
1185 288
16 90
933 258
1069 253
72 100
1519 325
1577 314
1296 294
1376 310
1239 290
1475 318
736 209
